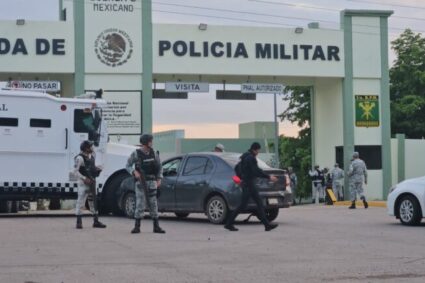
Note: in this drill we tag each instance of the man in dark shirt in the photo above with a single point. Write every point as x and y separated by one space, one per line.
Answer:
251 171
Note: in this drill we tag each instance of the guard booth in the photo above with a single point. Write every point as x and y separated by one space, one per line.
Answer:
116 47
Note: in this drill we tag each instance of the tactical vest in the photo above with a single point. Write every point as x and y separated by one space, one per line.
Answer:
89 168
147 162
319 176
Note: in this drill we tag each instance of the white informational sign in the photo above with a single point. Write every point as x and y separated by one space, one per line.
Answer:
53 86
261 88
123 113
186 87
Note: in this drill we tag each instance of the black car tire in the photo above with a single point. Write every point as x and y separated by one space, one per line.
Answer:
182 214
110 198
14 207
271 214
129 204
409 211
216 210
55 204
5 206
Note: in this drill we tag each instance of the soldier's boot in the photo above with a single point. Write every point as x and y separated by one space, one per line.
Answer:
270 226
156 228
366 205
353 205
97 223
79 222
230 227
136 228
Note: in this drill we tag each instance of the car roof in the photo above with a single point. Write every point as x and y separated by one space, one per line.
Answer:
220 154
233 157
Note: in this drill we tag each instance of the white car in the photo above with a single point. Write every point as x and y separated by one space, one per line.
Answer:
406 201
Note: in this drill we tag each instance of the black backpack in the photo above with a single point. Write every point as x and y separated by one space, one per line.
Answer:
238 169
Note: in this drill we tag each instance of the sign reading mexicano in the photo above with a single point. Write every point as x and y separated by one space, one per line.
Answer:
261 88
113 5
367 110
220 49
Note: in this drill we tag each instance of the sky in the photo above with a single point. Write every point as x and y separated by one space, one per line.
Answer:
216 118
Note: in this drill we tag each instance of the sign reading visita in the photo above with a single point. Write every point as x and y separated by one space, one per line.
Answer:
186 87
54 86
261 88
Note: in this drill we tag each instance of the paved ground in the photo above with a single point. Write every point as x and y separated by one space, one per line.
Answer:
312 244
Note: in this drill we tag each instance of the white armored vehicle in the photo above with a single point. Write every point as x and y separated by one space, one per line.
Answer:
41 134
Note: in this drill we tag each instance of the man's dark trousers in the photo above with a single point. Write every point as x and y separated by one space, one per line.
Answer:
249 190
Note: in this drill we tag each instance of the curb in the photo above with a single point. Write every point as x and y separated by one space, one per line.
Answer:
360 203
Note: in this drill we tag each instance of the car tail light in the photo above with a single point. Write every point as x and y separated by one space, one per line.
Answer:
237 180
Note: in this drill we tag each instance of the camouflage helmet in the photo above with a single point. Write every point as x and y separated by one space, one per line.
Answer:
145 139
86 145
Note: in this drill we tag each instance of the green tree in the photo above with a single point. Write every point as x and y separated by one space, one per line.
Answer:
296 152
407 89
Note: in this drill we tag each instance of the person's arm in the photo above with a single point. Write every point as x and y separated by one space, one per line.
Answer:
341 174
350 170
255 170
78 162
365 173
132 159
159 175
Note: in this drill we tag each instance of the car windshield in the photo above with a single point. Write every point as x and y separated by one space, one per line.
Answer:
233 159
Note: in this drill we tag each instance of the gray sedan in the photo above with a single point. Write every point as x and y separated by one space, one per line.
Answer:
206 183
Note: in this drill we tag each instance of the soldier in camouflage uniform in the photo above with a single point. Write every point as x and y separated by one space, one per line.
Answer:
357 174
86 172
146 168
337 175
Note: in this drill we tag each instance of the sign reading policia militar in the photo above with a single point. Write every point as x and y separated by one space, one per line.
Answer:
367 111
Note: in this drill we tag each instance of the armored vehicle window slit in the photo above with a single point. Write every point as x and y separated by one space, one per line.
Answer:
40 123
8 122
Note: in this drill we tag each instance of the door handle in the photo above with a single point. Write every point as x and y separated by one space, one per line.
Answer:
66 138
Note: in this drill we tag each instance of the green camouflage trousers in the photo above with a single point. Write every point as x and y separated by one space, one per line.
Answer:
356 188
141 198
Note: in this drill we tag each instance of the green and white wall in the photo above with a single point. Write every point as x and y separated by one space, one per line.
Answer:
362 68
366 73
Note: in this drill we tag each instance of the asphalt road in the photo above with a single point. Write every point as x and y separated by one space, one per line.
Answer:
312 244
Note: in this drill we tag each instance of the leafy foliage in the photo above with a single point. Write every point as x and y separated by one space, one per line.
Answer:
407 90
296 152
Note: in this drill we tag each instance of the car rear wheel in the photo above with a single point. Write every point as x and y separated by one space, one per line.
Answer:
182 214
129 204
216 210
6 206
55 204
409 211
110 194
